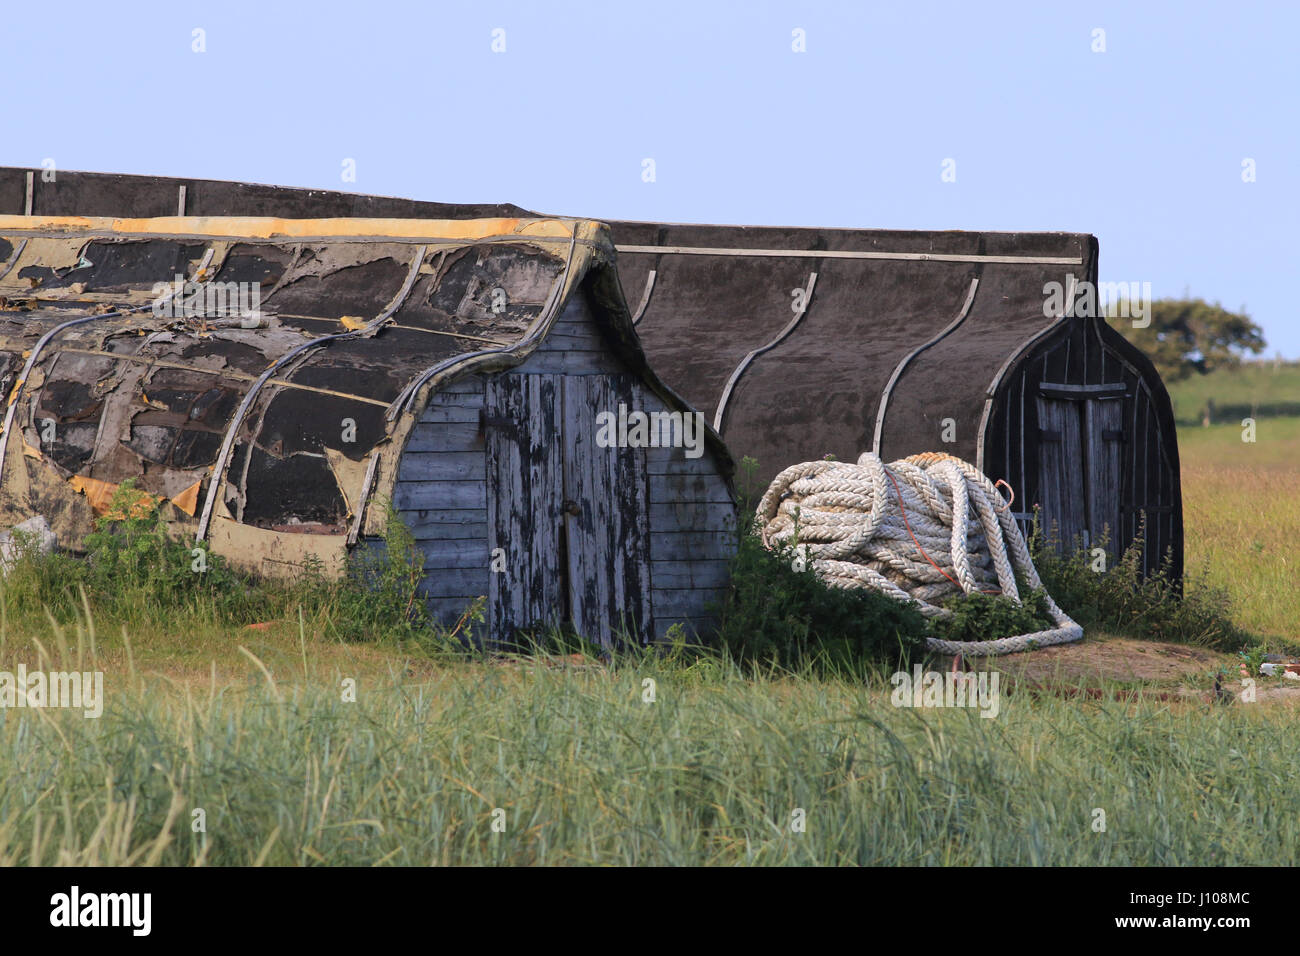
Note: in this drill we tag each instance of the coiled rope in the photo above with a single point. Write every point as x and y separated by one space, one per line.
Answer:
919 529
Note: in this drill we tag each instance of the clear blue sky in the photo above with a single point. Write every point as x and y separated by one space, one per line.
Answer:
1141 145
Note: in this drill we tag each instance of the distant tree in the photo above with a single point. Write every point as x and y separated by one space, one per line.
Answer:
1189 336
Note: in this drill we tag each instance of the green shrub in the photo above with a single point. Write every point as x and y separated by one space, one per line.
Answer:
133 567
990 617
1119 600
776 614
34 581
380 595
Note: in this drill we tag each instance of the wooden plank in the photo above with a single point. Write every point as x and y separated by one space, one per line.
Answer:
453 400
692 516
438 495
429 437
463 553
607 537
1142 447
456 582
573 339
524 452
1103 421
450 414
670 488
677 603
447 611
442 466
672 461
690 574
691 545
470 385
447 525
1057 390
847 254
568 363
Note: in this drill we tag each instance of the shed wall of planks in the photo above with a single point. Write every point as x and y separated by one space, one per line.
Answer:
505 471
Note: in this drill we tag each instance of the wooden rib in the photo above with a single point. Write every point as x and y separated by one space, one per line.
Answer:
222 372
371 468
237 420
18 252
991 391
744 363
390 325
907 359
645 297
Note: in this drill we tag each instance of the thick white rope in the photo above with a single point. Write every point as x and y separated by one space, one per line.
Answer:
862 524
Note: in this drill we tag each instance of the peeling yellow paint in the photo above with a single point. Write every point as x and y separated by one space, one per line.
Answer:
352 322
249 227
100 495
188 500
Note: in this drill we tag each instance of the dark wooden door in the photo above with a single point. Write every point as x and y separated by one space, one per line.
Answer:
1061 470
607 530
1103 426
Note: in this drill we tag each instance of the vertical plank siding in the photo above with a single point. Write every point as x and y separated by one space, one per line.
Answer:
1062 472
608 524
1127 458
1103 424
524 506
644 542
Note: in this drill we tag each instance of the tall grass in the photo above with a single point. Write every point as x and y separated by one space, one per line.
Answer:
574 766
1241 511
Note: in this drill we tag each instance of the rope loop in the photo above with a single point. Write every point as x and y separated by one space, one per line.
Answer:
919 529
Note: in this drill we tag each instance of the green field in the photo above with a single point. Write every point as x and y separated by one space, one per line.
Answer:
563 759
1241 511
575 767
1264 389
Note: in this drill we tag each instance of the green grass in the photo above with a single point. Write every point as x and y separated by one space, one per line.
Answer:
1241 514
1265 387
584 771
232 701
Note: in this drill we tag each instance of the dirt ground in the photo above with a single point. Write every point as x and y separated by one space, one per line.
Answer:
1106 662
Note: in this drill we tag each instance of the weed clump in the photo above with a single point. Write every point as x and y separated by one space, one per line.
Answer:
778 611
1119 600
991 617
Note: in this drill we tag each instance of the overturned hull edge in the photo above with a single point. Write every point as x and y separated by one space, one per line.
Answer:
71 507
